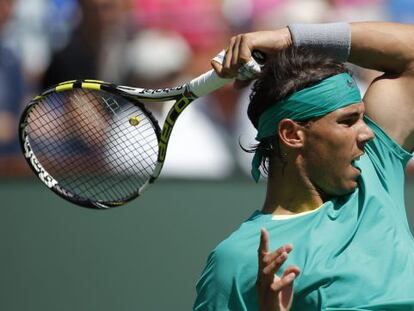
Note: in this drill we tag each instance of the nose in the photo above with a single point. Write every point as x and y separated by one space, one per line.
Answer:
365 134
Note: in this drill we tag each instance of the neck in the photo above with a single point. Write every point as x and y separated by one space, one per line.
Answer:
289 191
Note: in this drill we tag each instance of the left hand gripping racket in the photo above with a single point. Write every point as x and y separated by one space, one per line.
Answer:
95 144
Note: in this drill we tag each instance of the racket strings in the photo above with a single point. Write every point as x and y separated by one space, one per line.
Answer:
65 160
106 188
90 148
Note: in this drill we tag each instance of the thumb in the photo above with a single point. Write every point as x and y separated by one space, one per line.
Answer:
217 67
286 293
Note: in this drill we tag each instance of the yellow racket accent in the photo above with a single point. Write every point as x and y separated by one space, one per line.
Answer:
91 86
64 87
134 121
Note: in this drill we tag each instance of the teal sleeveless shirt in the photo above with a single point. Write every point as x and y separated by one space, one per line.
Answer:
355 252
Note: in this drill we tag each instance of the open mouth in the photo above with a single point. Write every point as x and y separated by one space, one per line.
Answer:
356 159
354 164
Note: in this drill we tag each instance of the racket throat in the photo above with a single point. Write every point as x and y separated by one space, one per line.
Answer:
157 171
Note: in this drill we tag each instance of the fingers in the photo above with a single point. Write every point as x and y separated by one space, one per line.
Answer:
278 254
285 287
275 260
270 262
240 48
274 292
264 243
231 62
235 61
245 48
237 54
286 280
267 258
217 67
291 269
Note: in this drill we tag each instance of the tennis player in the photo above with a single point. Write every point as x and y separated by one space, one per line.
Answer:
332 233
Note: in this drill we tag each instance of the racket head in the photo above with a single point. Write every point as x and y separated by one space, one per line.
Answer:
91 143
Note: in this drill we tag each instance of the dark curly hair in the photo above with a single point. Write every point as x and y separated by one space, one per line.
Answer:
289 71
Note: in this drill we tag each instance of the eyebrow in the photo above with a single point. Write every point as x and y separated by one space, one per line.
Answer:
353 114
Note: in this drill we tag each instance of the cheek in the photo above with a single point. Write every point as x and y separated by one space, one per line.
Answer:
327 155
333 144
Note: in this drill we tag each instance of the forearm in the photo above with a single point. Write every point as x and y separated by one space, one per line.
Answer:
387 47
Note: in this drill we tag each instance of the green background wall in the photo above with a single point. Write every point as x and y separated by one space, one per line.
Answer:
144 256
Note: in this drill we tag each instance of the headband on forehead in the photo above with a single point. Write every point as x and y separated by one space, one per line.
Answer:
328 95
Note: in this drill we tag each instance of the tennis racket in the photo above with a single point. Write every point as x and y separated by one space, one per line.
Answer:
96 144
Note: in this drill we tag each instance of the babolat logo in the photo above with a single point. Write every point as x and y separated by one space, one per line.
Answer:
162 151
43 175
166 90
172 116
177 109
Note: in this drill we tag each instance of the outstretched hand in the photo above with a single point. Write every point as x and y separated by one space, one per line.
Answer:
275 293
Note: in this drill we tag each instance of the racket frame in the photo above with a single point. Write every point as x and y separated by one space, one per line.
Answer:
44 175
183 96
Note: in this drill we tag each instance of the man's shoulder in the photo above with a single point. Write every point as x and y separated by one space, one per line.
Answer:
240 242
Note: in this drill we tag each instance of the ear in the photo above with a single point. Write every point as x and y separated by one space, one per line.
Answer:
291 134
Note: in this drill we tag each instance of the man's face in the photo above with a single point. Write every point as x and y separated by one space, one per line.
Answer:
332 144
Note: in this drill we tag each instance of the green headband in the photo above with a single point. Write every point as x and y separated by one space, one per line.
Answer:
330 94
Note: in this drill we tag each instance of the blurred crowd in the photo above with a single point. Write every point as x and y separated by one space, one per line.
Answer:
155 43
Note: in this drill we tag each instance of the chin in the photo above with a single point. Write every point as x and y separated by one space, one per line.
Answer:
341 190
348 189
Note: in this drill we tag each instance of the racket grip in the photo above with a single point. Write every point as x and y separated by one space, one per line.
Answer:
210 81
207 83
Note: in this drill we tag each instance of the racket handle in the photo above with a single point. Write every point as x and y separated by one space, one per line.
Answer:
207 83
210 81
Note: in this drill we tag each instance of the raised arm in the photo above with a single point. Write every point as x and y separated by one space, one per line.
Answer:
386 47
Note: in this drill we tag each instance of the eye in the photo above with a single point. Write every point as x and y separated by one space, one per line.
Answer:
348 122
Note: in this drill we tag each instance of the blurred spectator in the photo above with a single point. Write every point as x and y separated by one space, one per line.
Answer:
90 39
198 21
356 10
62 18
96 48
156 59
11 94
28 37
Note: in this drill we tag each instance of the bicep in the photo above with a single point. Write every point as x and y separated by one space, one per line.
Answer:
389 101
